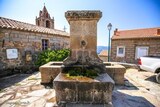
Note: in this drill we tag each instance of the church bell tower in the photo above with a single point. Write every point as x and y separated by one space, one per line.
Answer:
44 19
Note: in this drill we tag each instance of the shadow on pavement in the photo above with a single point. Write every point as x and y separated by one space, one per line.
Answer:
48 85
12 80
120 99
128 86
152 79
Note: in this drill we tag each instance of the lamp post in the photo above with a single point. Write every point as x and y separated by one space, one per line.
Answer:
109 28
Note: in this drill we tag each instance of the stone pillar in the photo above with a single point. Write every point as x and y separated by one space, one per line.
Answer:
83 38
83 29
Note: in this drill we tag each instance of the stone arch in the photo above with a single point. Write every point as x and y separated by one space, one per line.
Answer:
38 23
48 24
46 15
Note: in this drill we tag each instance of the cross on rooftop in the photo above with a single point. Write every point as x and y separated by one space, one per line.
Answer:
64 28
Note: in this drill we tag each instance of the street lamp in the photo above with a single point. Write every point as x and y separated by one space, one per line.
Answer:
109 28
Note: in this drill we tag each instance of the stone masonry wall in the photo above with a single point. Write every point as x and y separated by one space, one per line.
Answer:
130 48
25 42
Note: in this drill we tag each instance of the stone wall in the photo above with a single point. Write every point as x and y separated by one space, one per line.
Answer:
103 58
130 48
25 42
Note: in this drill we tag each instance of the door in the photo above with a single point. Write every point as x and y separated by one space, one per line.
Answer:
141 51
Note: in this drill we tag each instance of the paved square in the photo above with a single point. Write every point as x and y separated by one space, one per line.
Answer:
140 90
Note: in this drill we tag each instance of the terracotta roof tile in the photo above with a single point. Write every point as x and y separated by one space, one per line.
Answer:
137 33
17 25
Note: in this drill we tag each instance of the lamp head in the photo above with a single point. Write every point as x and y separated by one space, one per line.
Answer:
109 26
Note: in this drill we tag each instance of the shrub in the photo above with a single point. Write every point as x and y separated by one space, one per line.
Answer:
51 55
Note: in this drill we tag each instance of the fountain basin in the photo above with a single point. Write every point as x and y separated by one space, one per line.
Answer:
49 71
116 72
83 90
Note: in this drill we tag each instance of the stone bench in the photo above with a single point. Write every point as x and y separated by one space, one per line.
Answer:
49 71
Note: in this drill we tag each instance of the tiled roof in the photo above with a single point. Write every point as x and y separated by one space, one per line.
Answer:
103 53
137 33
17 25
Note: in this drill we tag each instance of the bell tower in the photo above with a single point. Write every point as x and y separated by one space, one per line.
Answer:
44 19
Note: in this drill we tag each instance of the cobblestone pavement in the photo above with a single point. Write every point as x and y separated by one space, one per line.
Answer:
25 90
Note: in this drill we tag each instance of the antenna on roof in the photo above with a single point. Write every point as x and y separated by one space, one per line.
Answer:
44 4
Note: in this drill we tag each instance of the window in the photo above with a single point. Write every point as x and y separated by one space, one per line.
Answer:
44 44
120 51
141 51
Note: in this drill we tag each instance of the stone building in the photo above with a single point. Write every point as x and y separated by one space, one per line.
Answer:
20 42
129 45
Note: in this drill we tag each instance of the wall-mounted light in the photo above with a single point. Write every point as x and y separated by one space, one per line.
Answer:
28 56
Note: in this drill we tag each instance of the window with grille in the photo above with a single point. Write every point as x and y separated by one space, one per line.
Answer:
44 44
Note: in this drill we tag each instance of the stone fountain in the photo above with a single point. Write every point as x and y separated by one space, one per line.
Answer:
83 91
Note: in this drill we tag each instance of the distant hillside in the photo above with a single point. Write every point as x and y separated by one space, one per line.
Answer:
100 48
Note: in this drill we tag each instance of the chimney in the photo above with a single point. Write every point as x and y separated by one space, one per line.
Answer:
158 31
116 31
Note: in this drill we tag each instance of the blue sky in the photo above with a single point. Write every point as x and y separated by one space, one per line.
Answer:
123 14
